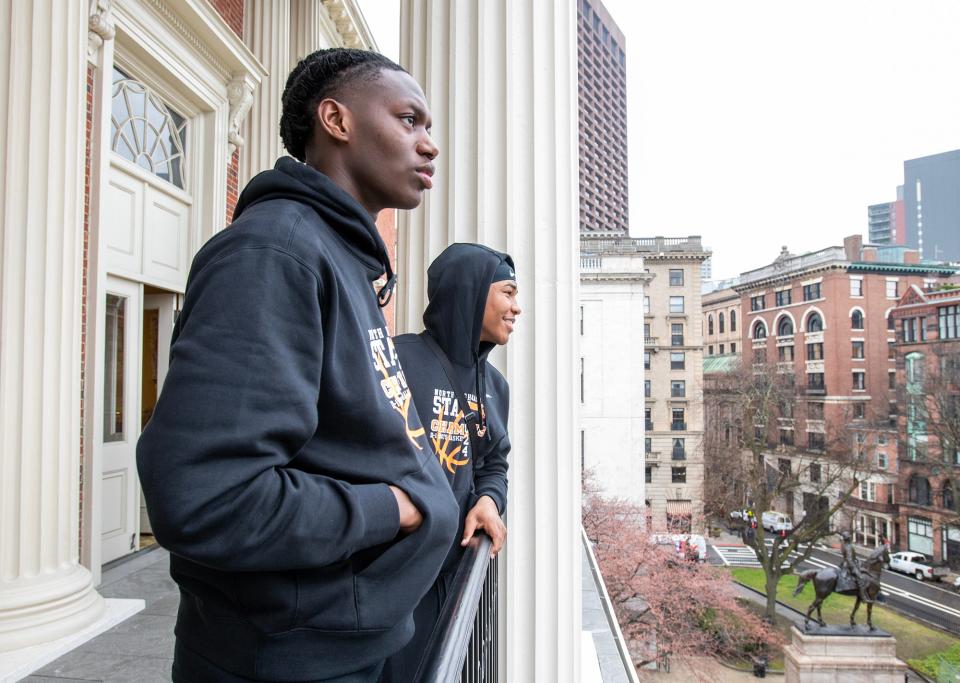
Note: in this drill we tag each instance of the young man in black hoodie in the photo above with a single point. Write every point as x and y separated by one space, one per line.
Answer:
284 466
472 308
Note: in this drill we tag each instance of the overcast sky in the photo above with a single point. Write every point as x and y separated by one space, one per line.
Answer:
761 123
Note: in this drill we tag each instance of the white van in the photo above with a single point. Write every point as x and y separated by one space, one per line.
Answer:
776 521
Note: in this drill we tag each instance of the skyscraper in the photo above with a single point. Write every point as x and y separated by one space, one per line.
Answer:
603 120
931 196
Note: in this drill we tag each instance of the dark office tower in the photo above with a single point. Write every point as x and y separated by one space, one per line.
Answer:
603 121
931 193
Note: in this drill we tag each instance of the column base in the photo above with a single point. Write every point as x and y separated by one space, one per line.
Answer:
44 608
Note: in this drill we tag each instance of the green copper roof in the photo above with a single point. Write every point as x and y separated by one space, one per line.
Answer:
728 362
903 268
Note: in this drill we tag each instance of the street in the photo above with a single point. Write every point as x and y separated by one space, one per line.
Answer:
934 603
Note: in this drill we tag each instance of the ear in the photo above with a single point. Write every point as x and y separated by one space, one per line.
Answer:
334 119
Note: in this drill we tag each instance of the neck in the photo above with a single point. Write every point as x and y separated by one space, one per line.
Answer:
327 161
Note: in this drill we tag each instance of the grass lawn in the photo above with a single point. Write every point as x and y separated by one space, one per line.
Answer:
914 639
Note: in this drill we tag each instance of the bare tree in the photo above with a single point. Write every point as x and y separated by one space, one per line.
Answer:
754 465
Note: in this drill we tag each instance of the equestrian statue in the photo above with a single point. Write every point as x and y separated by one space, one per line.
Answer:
853 578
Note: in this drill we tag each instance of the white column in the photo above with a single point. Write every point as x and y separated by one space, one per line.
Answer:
500 78
44 592
266 31
306 26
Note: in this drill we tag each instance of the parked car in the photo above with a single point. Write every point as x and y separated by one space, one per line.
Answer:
776 521
915 564
686 545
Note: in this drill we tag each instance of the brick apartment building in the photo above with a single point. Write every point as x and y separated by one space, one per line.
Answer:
826 317
928 384
721 323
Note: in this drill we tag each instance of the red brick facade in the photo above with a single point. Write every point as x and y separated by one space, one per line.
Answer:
843 366
233 185
232 13
928 368
88 129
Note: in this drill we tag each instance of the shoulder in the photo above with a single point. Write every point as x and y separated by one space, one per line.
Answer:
274 226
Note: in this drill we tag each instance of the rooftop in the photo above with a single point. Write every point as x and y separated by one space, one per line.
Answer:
646 246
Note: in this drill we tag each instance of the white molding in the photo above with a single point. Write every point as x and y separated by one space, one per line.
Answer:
806 316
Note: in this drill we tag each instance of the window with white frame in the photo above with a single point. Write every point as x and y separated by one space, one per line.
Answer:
892 289
856 286
676 304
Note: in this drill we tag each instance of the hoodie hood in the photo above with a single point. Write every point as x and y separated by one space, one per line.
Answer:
290 179
458 282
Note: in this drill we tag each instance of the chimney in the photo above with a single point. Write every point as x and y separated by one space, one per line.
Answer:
911 256
852 247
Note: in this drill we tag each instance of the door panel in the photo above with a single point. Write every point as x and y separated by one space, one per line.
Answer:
165 223
120 413
123 222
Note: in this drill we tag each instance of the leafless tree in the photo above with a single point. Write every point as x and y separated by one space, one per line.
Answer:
753 465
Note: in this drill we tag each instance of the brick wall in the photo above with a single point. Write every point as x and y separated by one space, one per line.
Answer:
232 13
233 185
85 273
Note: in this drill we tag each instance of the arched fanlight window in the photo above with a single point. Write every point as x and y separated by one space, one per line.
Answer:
759 330
814 323
146 131
856 320
785 327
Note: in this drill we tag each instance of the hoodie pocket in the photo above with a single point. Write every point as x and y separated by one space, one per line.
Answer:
326 598
390 587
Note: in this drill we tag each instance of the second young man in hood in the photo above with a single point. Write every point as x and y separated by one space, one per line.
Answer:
473 307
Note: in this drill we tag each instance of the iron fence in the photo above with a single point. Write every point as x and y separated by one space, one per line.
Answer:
463 647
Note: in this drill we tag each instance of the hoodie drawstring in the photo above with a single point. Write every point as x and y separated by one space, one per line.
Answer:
386 292
481 381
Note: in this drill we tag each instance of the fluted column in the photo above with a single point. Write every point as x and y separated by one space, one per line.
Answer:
266 31
500 78
306 28
44 592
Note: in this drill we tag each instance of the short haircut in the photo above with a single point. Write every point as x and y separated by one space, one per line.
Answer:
323 74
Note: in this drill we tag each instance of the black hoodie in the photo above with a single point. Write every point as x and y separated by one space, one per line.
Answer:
283 418
458 284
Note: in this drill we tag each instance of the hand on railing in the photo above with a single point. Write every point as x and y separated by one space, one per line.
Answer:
485 515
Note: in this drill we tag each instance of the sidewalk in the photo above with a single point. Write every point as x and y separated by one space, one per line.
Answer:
139 649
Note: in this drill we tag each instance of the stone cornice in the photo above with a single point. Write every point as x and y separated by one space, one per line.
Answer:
642 278
205 31
350 24
788 276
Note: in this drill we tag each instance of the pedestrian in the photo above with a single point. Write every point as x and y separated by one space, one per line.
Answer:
284 466
464 402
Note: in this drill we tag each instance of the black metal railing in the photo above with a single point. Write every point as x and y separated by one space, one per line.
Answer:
463 647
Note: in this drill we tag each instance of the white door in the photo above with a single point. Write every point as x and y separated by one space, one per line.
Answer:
121 418
159 311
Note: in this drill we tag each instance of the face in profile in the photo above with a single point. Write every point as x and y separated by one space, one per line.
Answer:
501 312
392 152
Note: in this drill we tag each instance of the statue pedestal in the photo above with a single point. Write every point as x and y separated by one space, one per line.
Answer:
840 654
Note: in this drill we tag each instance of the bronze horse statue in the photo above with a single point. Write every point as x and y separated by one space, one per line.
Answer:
825 583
